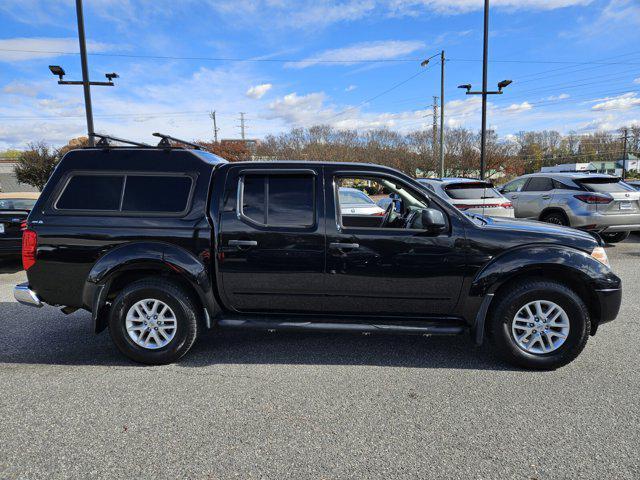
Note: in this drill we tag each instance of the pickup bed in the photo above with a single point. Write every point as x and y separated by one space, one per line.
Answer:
160 244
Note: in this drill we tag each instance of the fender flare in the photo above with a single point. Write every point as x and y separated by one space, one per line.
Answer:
556 259
157 256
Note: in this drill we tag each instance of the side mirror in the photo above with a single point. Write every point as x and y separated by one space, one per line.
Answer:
501 190
433 220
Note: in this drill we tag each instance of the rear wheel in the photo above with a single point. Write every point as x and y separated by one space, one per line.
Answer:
615 237
556 218
153 322
539 324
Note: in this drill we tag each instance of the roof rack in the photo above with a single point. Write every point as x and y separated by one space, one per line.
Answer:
106 139
165 141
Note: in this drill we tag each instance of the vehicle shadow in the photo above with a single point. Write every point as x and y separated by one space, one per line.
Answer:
10 265
47 336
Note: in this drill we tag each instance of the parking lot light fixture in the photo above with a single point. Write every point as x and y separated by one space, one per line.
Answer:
57 70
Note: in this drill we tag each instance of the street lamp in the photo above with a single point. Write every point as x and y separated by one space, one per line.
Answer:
501 85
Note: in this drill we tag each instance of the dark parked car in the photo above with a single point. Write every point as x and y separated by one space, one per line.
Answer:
14 208
162 243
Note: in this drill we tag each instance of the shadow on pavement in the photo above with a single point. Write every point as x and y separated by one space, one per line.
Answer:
47 336
10 265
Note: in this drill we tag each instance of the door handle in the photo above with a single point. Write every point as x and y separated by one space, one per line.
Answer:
514 196
243 243
546 197
343 246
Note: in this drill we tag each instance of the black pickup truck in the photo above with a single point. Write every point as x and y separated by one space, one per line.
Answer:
162 243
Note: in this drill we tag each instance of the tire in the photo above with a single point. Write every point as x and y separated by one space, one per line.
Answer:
180 323
557 218
615 237
511 304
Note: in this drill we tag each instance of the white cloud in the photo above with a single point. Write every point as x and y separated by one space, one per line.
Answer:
21 49
21 89
562 96
518 107
415 7
350 88
258 91
637 80
620 102
384 49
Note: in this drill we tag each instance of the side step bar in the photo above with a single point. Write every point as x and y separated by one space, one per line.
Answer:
270 325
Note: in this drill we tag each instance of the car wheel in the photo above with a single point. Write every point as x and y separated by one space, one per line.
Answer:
615 237
556 218
539 324
153 322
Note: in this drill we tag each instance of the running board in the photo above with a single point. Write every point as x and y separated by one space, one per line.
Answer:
271 325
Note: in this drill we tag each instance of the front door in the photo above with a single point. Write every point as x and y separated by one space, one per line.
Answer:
534 197
389 265
271 249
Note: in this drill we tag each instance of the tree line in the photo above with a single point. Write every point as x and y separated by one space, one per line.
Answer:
414 153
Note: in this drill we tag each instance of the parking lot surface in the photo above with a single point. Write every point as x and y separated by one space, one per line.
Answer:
318 406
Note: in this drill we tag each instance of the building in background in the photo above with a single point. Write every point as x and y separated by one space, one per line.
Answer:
8 181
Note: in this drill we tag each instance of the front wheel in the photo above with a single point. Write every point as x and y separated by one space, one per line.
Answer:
615 237
539 324
153 322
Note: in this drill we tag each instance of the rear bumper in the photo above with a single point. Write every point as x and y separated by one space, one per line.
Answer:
24 295
605 223
609 300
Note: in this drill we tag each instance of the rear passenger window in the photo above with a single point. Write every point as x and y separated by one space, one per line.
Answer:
285 200
92 192
539 184
156 194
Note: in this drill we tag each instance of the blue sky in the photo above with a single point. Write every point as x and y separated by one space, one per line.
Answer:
575 65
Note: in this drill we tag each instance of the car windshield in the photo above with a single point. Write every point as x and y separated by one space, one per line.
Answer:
606 185
354 197
471 190
17 204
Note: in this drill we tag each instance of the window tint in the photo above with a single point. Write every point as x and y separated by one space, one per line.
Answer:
280 201
468 191
156 194
606 185
539 184
92 192
514 186
253 200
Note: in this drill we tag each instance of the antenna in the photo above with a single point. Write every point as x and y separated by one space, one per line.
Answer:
106 139
165 141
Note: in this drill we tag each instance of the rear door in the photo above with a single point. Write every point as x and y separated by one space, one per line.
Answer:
271 249
512 192
534 197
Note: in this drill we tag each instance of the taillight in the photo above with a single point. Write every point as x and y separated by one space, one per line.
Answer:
29 246
593 198
23 225
506 205
379 214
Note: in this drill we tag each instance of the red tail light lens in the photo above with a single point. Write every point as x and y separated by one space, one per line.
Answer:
23 225
378 214
593 198
29 246
506 205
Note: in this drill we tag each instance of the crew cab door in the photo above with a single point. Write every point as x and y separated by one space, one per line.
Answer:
271 248
373 269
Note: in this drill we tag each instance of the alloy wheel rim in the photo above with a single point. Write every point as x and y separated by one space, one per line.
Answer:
151 324
540 327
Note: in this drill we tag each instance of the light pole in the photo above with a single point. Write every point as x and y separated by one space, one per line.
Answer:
60 73
424 64
484 92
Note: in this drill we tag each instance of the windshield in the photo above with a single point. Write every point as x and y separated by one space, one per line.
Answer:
606 185
471 190
354 197
17 204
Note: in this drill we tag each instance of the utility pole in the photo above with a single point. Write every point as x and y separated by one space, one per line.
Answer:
215 126
442 61
85 72
242 125
625 155
435 125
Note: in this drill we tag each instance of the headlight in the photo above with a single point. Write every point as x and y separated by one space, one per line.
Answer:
601 255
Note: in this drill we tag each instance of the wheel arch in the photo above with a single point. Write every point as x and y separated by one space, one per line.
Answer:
568 266
549 210
134 261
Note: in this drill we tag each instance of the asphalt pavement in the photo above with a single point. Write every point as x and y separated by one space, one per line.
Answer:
314 406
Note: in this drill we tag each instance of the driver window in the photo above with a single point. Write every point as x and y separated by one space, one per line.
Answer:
376 202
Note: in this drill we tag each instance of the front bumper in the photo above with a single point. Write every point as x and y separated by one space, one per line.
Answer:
24 295
609 300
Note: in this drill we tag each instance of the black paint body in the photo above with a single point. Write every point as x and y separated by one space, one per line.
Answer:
397 275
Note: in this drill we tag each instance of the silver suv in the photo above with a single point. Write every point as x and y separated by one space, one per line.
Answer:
600 203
